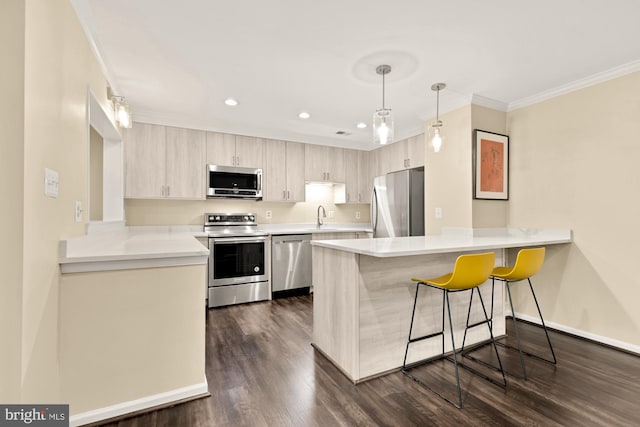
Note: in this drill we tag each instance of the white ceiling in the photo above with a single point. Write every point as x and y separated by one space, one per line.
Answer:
177 61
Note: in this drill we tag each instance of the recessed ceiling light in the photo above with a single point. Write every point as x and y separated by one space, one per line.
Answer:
361 125
231 102
304 115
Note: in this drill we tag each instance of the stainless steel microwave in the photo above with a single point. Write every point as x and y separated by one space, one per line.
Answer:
235 182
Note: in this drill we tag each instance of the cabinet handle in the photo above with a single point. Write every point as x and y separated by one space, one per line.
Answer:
328 176
163 191
288 195
359 197
168 190
238 161
284 195
408 163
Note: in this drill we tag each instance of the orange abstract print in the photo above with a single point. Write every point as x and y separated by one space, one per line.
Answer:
491 166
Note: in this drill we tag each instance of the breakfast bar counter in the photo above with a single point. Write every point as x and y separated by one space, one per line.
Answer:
363 294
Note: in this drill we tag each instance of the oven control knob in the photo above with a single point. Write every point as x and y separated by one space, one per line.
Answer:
217 218
246 218
256 269
252 218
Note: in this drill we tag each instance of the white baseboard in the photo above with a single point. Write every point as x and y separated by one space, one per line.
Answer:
577 332
138 404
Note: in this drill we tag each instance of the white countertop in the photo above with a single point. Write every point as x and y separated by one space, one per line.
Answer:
448 242
127 248
116 247
313 228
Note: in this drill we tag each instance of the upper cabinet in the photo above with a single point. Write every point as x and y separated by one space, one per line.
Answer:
324 164
415 151
224 149
283 172
357 178
185 163
163 162
405 154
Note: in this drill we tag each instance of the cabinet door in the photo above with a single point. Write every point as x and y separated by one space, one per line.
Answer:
351 173
144 161
221 149
415 151
334 161
295 172
365 182
315 162
185 163
393 156
275 172
249 152
374 163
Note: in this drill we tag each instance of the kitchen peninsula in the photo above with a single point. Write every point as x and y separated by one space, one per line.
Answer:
132 320
363 294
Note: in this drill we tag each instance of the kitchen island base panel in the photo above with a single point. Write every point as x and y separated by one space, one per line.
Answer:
362 309
131 335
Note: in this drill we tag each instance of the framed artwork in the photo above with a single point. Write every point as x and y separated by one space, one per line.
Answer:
490 165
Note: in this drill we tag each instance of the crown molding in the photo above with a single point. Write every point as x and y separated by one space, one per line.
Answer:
86 21
494 104
591 80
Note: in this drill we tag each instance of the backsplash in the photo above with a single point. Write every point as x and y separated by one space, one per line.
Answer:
191 212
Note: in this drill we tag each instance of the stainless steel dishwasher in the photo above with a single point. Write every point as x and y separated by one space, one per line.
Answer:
290 264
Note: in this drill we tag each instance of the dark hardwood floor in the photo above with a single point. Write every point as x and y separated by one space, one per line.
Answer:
262 371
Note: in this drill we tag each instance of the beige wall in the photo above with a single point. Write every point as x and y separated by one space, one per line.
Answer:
488 213
176 212
163 353
12 26
59 68
448 173
96 148
574 164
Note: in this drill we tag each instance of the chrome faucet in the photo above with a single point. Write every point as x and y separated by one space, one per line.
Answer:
324 215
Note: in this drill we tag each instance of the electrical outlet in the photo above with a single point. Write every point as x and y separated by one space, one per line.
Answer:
268 214
357 214
78 211
438 213
332 214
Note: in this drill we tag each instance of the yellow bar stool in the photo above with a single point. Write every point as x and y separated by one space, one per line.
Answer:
528 262
469 272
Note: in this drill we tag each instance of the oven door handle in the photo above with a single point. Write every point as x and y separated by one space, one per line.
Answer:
232 240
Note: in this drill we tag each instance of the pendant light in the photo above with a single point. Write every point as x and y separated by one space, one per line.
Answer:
383 118
436 140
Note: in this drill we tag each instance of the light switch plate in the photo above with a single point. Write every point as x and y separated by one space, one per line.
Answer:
357 214
268 214
51 182
438 213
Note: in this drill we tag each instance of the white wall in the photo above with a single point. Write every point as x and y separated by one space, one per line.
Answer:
574 164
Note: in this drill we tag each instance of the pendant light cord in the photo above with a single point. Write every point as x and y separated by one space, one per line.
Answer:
383 89
438 105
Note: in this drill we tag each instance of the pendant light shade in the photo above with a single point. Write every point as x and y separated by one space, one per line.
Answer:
434 129
383 117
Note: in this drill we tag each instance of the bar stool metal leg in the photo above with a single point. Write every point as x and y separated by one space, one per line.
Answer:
553 354
515 327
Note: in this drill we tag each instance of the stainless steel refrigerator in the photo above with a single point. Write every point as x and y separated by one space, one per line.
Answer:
397 204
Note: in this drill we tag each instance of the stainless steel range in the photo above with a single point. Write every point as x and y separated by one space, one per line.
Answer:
239 259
